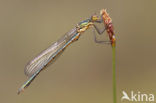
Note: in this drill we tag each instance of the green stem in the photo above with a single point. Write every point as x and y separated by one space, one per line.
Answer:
114 75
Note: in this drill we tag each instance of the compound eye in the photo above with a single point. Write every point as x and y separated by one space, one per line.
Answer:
94 18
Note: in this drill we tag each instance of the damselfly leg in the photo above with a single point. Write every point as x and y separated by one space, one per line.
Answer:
100 32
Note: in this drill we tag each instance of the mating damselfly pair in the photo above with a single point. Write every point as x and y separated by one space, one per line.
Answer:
35 66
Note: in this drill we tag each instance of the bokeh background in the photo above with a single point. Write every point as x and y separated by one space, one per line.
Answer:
83 74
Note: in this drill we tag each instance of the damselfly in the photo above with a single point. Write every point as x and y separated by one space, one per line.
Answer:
34 67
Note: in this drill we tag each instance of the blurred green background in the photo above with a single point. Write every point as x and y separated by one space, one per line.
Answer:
83 74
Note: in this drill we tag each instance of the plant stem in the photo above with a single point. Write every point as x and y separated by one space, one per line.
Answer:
114 75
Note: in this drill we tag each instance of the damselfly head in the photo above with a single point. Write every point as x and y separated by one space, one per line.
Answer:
94 17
